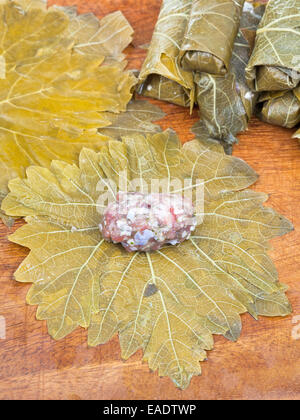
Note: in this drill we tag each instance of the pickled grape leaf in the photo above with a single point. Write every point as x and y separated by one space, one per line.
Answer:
59 74
161 76
275 62
107 37
297 135
28 4
138 119
226 103
280 108
8 221
208 41
168 303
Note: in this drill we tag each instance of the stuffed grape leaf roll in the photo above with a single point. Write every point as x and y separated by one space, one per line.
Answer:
275 62
280 107
161 76
210 35
226 102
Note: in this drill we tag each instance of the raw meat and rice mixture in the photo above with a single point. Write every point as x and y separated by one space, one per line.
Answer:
146 222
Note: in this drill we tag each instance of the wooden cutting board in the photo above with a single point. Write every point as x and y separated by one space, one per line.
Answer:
263 364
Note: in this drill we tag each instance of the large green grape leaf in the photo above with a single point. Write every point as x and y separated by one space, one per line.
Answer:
59 75
168 303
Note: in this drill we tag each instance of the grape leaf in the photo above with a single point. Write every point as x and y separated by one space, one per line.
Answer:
138 119
297 135
274 65
60 73
107 37
168 303
8 221
27 4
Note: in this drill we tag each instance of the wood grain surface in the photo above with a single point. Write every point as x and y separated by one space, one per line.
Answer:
263 364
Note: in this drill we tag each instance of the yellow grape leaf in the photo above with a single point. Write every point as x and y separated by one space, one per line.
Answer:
168 303
60 73
107 37
138 119
297 135
8 221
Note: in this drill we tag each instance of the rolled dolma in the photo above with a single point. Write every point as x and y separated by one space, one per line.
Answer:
210 35
280 108
161 76
222 114
275 62
226 103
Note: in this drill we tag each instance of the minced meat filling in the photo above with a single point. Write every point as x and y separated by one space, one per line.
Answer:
146 222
